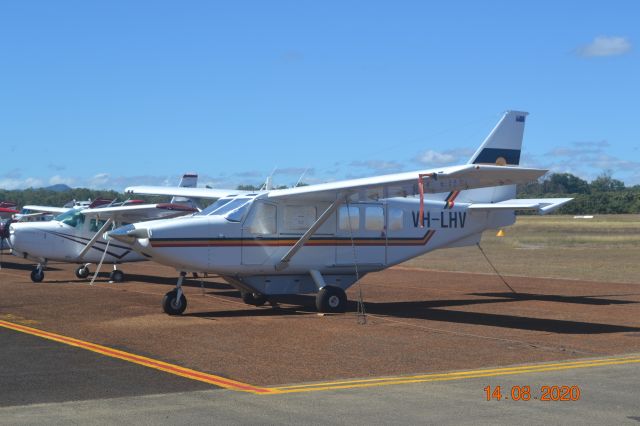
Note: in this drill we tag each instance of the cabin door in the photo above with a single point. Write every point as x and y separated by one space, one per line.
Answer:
259 234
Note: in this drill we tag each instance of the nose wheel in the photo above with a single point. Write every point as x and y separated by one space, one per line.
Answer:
82 271
37 275
174 302
117 276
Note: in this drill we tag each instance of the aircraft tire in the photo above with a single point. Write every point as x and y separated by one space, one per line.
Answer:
82 272
253 298
37 276
171 306
331 299
116 276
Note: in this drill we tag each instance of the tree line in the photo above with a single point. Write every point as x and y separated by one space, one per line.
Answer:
603 195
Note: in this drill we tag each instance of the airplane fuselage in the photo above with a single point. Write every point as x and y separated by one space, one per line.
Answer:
64 241
368 236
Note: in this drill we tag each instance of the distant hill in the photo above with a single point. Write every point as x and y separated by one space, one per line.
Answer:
61 187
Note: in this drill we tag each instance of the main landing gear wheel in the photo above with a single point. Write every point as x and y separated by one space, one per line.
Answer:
37 275
116 276
82 272
254 299
172 305
331 299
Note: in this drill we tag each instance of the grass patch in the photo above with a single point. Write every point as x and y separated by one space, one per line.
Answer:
606 248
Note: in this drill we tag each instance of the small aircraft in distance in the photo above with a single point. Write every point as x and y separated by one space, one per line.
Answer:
7 210
75 235
323 238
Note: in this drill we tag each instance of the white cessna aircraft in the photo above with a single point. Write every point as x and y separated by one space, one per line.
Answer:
323 238
75 235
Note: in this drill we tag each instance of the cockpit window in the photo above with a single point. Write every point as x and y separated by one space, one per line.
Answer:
71 217
215 206
238 213
95 224
233 209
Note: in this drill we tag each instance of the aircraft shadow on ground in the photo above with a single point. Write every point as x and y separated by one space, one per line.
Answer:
188 282
426 311
582 300
25 266
429 310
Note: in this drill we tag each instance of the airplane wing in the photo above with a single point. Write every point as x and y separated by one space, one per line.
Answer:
45 209
446 179
184 192
543 205
141 212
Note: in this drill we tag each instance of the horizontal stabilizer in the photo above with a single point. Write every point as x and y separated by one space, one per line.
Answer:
543 205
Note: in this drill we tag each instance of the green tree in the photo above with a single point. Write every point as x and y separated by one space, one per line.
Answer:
606 183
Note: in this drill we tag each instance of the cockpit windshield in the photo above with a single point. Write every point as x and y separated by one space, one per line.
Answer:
215 206
71 217
233 209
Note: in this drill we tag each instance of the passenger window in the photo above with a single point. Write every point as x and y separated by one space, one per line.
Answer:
349 218
396 219
299 218
264 219
374 219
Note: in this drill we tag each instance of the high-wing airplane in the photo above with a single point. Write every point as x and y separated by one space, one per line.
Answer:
323 238
75 236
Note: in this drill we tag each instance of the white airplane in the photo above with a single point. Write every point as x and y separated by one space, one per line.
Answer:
75 235
323 238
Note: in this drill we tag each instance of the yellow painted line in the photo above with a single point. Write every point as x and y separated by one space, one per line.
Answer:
137 359
314 387
471 374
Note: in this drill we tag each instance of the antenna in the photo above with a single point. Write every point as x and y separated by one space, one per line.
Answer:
301 176
268 183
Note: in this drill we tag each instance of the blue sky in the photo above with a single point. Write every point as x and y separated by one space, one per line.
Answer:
113 93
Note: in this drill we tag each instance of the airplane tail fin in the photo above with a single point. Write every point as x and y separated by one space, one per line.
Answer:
189 180
502 147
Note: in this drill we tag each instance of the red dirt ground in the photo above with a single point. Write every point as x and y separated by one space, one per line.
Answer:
418 322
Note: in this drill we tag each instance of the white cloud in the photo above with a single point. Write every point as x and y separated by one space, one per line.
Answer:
16 183
606 46
587 160
434 158
57 179
378 165
99 180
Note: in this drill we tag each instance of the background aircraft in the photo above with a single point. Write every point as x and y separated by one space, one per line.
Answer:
323 238
75 235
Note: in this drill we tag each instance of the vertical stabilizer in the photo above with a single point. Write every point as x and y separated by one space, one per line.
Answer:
189 180
504 143
501 147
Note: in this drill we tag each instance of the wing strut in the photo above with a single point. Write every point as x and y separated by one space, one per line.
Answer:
284 262
95 238
421 176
